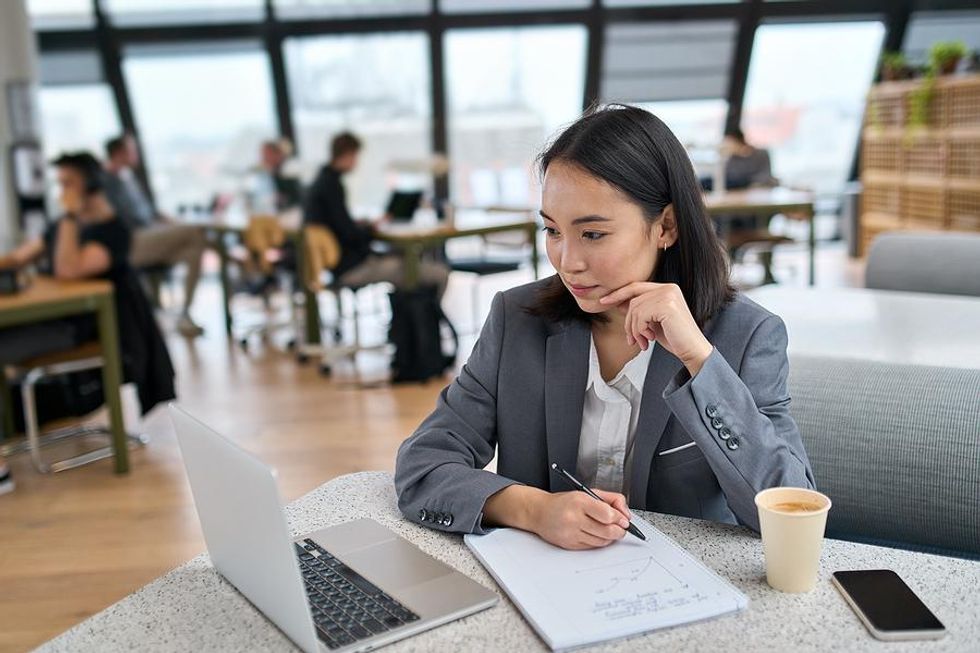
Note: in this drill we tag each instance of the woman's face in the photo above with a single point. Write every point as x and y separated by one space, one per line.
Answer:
598 239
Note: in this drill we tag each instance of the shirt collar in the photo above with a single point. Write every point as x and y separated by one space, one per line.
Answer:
635 370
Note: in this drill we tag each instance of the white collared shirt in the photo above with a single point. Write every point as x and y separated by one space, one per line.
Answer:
609 417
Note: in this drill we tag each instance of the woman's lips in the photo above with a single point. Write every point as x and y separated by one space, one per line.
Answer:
581 291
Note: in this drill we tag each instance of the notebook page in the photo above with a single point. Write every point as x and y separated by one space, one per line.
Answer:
573 598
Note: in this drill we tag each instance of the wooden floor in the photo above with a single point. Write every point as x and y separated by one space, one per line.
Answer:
73 543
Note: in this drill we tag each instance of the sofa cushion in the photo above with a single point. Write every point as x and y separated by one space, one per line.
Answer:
896 447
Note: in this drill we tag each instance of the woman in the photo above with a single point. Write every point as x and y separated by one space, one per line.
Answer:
636 365
90 242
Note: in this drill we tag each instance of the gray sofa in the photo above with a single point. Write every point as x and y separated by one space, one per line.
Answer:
897 449
931 261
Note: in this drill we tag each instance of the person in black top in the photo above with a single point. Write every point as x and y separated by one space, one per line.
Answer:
90 242
326 204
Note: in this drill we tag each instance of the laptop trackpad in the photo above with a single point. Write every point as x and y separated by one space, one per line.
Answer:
395 565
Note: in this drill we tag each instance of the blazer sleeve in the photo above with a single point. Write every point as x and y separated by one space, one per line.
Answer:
741 422
439 475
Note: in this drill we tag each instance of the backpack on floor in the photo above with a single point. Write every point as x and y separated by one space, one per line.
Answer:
417 328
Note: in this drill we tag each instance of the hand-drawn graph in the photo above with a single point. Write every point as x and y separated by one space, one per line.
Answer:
619 575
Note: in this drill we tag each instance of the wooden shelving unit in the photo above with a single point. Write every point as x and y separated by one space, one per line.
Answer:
924 177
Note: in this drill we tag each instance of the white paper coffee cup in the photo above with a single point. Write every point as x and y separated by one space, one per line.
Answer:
792 522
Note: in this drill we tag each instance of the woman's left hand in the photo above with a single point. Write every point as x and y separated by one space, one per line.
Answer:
658 312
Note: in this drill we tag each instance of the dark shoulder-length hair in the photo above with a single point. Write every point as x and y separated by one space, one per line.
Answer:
635 152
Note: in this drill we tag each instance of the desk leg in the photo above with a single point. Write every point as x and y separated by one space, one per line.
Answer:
533 235
7 405
112 379
311 307
222 250
413 257
812 243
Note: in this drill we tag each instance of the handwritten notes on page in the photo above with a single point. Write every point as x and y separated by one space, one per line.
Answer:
574 598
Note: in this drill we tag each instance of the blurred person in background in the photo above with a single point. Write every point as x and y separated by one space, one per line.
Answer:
158 240
745 165
90 242
277 188
326 204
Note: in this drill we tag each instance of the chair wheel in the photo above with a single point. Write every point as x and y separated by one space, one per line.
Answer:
302 359
291 345
243 343
324 370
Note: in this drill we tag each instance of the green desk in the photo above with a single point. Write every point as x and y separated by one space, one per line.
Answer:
218 230
48 299
764 202
413 241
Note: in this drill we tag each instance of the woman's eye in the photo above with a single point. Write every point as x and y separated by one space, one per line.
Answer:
552 233
592 235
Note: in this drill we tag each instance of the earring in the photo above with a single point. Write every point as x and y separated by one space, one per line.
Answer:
665 246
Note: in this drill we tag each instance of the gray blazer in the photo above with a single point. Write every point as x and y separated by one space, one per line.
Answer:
522 392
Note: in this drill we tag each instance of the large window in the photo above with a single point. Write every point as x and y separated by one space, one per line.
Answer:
475 6
805 97
508 90
376 86
926 28
77 109
150 12
640 3
77 117
60 14
297 9
698 124
668 61
202 112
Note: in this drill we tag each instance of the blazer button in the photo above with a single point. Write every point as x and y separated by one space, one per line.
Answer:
725 433
732 443
716 423
438 518
423 515
448 521
711 410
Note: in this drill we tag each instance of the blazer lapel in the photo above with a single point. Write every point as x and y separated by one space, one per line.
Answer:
566 374
653 418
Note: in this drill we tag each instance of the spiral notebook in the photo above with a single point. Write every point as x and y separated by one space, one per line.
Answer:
576 598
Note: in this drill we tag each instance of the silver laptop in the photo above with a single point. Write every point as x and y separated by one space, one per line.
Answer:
350 587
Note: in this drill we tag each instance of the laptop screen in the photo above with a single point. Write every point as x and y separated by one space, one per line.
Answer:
402 205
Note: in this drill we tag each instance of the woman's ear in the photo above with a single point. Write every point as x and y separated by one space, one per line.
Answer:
668 228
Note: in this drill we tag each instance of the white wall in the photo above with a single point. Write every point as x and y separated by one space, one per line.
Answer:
18 61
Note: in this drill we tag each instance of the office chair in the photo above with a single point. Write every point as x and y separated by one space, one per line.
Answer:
321 253
264 239
29 373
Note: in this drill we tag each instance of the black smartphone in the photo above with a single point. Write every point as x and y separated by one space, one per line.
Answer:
888 607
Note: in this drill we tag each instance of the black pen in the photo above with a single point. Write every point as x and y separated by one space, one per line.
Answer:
578 486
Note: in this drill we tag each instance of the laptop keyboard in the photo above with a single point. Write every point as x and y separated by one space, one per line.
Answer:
346 606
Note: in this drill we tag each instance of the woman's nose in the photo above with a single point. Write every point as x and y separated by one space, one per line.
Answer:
571 258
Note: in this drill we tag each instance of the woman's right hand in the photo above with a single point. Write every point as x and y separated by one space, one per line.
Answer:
571 520
574 520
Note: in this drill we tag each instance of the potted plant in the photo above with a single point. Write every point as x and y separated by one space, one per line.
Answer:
945 55
893 66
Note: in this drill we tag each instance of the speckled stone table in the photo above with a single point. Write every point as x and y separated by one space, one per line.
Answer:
193 609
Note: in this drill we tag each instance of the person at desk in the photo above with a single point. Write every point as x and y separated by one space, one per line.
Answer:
276 190
636 365
158 240
90 242
745 166
326 204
